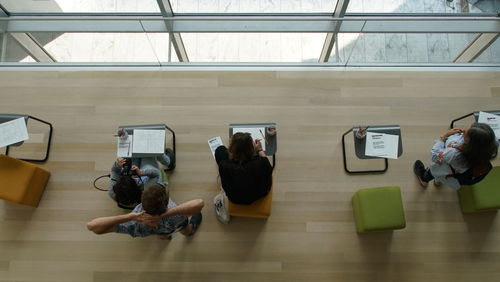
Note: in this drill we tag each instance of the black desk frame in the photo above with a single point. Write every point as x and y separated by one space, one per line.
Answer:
386 162
475 114
49 142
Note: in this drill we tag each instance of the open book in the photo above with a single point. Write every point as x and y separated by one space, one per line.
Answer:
143 141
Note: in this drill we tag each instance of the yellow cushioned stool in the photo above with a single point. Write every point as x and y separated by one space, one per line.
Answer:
21 182
258 209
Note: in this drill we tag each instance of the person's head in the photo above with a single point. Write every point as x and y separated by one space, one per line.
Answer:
480 144
155 200
127 191
241 147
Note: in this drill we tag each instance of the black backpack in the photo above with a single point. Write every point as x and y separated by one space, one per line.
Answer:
467 178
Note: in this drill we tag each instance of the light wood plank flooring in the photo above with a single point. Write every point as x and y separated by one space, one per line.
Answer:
310 235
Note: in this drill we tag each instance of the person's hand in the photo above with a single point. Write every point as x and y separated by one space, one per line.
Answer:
137 170
450 132
120 161
147 219
257 145
136 215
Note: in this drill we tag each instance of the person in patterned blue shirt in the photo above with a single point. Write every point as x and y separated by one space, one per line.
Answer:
156 215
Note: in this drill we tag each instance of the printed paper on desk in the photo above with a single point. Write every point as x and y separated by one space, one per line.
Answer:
13 131
382 145
256 132
214 143
492 120
148 141
124 147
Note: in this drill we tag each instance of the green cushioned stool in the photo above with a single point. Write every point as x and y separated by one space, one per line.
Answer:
482 196
377 209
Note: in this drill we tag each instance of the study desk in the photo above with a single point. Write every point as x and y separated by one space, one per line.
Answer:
360 145
130 130
9 117
475 114
271 140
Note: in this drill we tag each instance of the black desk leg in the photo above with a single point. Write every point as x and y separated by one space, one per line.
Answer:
452 125
49 142
274 160
173 141
386 162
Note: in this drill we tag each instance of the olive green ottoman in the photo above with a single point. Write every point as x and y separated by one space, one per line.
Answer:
377 209
482 196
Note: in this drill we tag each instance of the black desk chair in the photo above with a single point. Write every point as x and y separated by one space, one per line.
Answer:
9 117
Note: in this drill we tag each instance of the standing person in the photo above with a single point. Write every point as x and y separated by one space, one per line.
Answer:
459 157
244 169
157 214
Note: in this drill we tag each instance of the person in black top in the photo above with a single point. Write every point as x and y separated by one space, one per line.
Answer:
244 169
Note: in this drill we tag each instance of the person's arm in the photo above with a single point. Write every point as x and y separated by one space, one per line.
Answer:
438 150
221 154
102 225
188 208
115 175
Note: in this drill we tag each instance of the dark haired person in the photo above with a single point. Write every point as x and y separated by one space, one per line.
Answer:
126 189
459 157
156 215
244 169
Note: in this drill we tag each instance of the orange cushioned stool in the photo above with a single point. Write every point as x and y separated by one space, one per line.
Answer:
258 209
21 182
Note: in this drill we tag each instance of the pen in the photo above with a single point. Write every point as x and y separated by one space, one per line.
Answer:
265 140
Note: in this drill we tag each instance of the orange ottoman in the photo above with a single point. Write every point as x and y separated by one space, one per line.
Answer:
258 209
21 182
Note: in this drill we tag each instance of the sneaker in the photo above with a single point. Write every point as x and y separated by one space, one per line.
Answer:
195 222
221 212
419 169
170 154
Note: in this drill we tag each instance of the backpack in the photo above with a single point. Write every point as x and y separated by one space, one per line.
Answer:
467 177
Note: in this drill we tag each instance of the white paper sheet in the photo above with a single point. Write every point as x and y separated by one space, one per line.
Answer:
214 143
148 141
382 145
124 147
256 132
13 131
492 120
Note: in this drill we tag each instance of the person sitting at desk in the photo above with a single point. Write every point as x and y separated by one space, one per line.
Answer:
244 169
128 180
459 157
157 214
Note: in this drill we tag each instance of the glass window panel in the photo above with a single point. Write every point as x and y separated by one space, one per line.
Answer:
422 6
399 47
253 47
491 55
105 47
253 6
12 51
80 6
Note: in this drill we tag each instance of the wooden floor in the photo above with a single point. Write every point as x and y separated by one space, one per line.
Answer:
310 235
